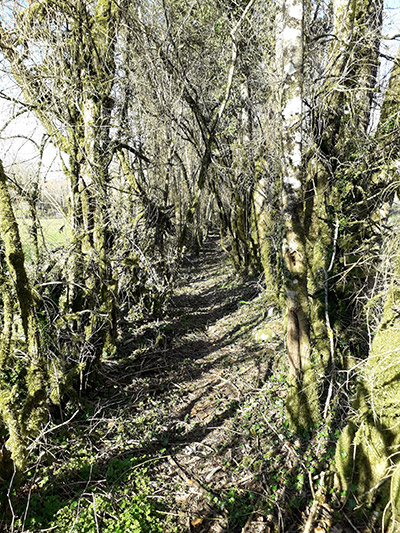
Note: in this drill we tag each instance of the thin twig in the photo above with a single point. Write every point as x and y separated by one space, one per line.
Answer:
315 505
95 513
9 498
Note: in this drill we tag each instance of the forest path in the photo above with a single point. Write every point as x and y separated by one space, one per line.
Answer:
196 384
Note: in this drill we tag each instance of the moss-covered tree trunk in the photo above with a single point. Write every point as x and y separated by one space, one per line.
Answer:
266 233
23 371
102 286
245 251
367 463
78 119
335 203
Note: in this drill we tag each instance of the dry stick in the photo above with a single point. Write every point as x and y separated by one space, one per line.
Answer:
315 505
189 478
80 498
51 429
327 321
292 452
251 516
193 481
228 382
9 498
95 513
28 500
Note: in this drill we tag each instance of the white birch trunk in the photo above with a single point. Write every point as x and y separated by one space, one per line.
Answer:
289 51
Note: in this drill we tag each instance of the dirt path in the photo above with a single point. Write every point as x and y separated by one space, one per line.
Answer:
210 370
216 392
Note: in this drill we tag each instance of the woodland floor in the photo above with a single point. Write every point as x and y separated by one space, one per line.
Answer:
185 430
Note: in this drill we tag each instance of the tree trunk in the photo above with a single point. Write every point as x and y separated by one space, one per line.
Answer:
302 403
335 206
367 460
23 380
367 457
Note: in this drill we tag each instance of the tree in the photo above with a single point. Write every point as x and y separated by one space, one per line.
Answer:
23 366
69 88
322 226
302 405
366 455
257 116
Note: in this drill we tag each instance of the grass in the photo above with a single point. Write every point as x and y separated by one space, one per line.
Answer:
79 492
55 232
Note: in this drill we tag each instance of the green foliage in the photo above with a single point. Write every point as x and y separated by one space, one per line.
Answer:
127 506
237 504
133 513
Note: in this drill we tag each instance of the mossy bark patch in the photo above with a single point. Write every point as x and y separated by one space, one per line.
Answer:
302 403
367 455
23 379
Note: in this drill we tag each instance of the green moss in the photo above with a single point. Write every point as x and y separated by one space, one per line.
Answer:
392 521
302 404
372 439
343 459
264 230
390 116
16 443
22 384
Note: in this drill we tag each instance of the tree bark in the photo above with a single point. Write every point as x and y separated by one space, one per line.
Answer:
367 461
22 399
302 404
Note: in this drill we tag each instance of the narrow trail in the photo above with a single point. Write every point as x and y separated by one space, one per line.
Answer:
197 387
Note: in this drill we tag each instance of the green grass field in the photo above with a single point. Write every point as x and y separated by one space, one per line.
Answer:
55 232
